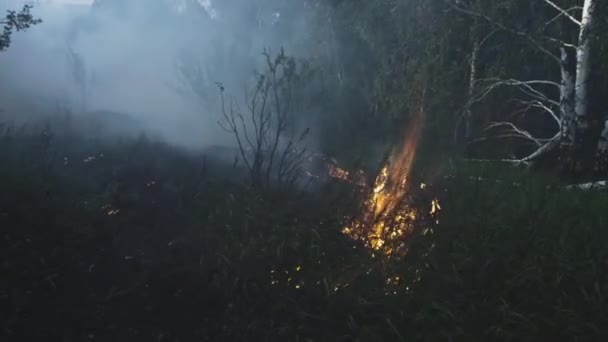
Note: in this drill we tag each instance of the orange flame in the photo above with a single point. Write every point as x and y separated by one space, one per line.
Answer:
386 218
391 184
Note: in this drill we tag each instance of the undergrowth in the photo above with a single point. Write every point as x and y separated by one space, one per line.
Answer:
138 241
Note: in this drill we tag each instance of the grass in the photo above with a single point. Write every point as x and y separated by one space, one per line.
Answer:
148 243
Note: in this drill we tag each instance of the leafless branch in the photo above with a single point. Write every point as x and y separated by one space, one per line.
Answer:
540 105
231 126
559 15
483 41
527 36
548 146
545 148
525 86
258 133
516 131
563 12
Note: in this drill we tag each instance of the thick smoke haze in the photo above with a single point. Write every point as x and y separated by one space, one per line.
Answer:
125 56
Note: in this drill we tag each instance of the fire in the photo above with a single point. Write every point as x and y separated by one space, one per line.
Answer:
331 169
358 178
338 172
387 218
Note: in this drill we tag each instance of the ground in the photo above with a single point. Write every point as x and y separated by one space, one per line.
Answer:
139 241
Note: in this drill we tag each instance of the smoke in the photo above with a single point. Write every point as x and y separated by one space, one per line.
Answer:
125 56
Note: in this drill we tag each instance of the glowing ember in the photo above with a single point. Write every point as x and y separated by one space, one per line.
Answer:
435 207
337 172
357 178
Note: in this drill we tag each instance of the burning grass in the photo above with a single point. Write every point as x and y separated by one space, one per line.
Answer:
389 214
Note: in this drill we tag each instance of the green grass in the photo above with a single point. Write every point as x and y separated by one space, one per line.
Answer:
194 256
521 261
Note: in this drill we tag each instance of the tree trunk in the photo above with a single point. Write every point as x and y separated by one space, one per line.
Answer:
468 131
602 145
602 149
583 64
583 150
566 102
583 60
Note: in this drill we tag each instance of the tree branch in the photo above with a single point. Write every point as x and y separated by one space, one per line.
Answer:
516 130
563 12
505 28
525 86
540 105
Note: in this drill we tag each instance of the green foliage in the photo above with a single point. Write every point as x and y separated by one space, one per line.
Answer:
519 257
16 21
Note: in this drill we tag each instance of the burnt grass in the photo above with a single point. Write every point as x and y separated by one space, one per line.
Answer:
137 241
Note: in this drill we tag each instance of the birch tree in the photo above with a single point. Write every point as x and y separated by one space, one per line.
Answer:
570 111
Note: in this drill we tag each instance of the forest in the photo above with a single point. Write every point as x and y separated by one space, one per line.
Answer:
303 170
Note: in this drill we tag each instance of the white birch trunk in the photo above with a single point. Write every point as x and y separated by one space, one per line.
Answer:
566 101
602 144
583 66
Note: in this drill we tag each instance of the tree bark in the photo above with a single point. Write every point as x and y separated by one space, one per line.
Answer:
583 69
602 144
566 101
581 151
468 131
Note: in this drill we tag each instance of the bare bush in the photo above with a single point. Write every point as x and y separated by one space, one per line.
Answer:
269 147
